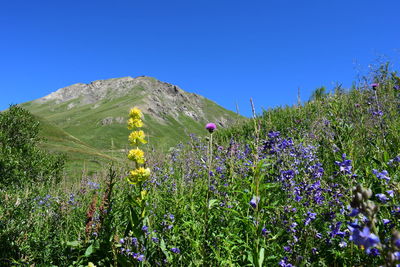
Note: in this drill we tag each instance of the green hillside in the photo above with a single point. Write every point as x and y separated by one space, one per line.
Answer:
80 156
91 133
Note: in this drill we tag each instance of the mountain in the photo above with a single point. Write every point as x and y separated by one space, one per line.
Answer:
93 116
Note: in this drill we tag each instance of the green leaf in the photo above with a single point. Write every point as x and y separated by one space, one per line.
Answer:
89 251
74 244
212 203
250 257
261 257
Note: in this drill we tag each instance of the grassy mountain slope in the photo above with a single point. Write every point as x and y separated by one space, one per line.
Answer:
79 154
88 122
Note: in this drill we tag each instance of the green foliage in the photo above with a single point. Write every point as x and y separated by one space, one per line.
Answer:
318 94
21 161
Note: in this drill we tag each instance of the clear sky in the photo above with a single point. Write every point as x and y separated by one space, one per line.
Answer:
227 51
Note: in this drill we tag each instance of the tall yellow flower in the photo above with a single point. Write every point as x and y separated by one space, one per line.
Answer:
137 137
139 175
135 113
134 123
136 155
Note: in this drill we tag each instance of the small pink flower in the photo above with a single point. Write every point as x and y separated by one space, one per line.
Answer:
374 85
211 127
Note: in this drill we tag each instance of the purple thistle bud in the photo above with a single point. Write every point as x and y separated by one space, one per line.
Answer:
211 127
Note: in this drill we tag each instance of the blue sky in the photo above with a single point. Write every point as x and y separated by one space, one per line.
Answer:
227 51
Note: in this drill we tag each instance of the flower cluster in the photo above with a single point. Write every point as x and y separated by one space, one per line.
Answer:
140 174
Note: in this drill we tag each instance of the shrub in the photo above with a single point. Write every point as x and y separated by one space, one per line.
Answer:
21 160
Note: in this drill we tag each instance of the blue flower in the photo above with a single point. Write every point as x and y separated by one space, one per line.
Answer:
254 201
345 165
381 175
175 250
354 212
363 237
390 193
382 198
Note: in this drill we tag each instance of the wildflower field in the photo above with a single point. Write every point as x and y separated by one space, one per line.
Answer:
315 184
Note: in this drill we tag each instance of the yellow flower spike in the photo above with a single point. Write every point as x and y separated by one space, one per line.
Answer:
134 123
135 113
139 175
137 136
136 155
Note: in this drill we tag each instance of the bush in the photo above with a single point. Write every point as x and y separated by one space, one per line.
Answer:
21 160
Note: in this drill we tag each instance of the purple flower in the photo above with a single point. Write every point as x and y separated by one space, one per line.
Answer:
175 250
139 257
336 230
390 193
382 198
354 212
397 242
264 231
345 165
363 237
377 112
374 85
211 127
254 201
310 217
145 228
396 255
285 263
381 175
386 221
273 134
374 252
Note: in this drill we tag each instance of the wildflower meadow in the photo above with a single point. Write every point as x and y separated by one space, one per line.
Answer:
314 184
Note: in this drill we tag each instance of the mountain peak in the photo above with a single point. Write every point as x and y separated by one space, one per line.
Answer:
88 111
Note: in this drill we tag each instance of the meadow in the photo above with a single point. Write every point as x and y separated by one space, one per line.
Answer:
315 184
